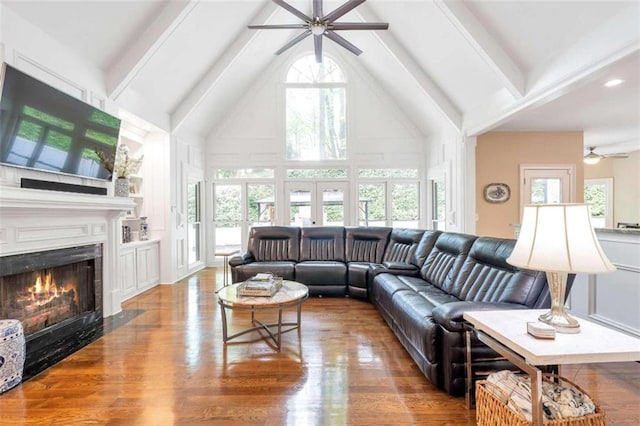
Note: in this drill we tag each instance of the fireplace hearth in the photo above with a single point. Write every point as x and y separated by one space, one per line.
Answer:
57 296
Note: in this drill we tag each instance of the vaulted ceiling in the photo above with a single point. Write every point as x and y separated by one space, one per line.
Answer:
475 66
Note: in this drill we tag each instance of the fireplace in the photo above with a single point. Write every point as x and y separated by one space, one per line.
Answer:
57 296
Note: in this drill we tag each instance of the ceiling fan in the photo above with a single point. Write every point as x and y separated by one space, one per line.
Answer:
320 25
593 158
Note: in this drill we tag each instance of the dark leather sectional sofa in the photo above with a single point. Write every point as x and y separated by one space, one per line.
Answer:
421 282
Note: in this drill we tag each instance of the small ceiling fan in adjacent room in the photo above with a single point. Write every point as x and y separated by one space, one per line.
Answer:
593 158
320 25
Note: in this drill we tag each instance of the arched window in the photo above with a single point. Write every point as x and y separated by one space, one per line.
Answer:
316 119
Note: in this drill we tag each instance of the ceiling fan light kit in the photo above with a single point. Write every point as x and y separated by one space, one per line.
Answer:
320 25
593 158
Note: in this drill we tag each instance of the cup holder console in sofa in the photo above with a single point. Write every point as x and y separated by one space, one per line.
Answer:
420 281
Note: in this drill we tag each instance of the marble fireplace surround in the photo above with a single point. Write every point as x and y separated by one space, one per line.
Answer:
33 220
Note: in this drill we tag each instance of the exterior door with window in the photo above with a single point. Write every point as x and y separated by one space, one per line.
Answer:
547 185
316 203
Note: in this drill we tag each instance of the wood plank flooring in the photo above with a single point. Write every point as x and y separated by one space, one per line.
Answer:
167 365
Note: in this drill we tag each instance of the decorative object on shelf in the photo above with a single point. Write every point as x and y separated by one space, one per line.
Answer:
497 193
121 187
122 166
559 240
126 234
144 229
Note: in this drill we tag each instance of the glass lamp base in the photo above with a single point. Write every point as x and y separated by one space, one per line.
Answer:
562 322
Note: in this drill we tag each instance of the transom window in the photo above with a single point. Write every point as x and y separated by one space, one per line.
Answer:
316 120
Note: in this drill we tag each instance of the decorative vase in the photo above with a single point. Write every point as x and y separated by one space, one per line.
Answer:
144 229
121 188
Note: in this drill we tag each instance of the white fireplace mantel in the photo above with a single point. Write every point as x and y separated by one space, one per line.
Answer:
33 220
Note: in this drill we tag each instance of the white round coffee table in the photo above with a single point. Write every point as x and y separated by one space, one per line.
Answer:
291 294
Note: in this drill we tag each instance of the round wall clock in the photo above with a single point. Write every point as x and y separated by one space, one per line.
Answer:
497 193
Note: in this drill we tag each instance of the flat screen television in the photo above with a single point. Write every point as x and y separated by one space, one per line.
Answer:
45 129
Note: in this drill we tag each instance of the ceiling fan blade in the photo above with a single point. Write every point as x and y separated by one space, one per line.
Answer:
277 26
317 47
317 8
343 10
292 9
343 42
615 155
294 41
358 26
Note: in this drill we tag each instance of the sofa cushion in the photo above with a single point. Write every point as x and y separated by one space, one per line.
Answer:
402 245
322 273
285 270
366 244
446 259
274 243
322 243
412 315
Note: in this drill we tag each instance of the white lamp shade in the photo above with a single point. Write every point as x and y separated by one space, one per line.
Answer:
559 238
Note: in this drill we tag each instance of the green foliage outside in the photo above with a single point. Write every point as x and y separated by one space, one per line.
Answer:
90 154
595 196
375 195
405 202
59 141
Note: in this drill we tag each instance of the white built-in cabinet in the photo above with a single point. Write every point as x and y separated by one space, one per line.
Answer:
139 267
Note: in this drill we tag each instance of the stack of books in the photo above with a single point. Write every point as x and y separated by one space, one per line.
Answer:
264 285
541 330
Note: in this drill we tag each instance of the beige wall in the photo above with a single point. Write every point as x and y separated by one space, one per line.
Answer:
626 185
498 159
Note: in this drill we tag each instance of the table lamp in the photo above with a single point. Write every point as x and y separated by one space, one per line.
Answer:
559 239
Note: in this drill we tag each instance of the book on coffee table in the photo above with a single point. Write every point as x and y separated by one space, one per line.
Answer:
264 285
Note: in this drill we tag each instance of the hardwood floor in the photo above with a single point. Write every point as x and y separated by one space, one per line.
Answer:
166 364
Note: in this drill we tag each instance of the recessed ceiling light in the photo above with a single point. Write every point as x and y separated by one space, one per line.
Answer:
613 82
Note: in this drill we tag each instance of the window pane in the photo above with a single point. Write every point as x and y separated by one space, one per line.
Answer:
545 191
227 199
300 205
316 124
439 205
371 205
316 173
261 205
244 173
405 205
333 207
397 173
307 70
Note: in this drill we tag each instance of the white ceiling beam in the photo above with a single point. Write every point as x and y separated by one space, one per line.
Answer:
426 83
613 41
485 45
213 75
121 73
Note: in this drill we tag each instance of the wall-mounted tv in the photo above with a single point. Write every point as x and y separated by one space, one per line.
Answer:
45 129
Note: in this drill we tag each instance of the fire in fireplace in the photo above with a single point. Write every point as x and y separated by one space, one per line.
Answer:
57 296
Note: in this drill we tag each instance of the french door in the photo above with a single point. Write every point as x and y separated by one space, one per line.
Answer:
316 203
237 208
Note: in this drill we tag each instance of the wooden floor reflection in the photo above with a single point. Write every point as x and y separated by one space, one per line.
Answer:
167 365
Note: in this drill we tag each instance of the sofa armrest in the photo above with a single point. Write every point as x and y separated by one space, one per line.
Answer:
449 315
399 266
241 259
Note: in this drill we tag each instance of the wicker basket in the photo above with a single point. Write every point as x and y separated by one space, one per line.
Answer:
491 411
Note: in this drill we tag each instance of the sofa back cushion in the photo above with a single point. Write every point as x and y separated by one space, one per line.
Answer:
446 258
486 276
425 246
322 243
402 245
274 243
366 244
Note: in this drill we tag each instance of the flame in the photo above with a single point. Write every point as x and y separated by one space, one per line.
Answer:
44 292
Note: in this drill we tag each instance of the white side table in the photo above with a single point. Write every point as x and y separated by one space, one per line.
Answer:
506 333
